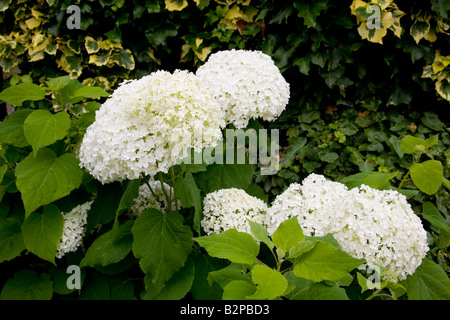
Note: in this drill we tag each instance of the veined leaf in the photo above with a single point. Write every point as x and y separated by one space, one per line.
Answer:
27 285
427 175
43 231
11 129
11 240
46 178
42 128
17 94
231 244
270 283
162 243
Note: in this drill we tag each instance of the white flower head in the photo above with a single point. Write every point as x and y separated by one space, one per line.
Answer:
146 125
153 197
378 226
247 84
231 209
74 229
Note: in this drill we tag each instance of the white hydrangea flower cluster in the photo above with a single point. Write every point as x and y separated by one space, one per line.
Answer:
151 198
146 125
247 84
74 228
378 226
231 208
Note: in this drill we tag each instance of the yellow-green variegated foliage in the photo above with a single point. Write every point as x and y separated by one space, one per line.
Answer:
439 71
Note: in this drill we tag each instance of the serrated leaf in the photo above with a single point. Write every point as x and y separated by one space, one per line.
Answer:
46 178
111 247
42 128
11 129
429 282
427 175
11 240
270 283
238 247
17 94
325 262
408 144
260 233
27 285
162 243
238 290
288 234
43 231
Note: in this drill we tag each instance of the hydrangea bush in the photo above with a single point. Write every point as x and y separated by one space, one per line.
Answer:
195 229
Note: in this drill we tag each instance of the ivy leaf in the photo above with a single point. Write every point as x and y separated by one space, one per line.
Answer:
124 59
442 7
310 12
162 243
429 282
27 285
325 262
427 175
43 231
231 244
46 178
111 247
11 240
17 94
42 128
269 283
175 5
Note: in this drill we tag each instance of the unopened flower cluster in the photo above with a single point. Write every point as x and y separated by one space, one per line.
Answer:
231 209
74 229
151 197
146 125
247 84
378 226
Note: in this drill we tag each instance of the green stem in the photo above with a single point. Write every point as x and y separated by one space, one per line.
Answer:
405 177
173 178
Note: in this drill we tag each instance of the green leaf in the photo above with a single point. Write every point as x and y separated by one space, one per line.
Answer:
11 240
409 143
325 262
234 271
427 176
288 234
46 178
432 215
111 247
27 285
162 243
429 282
43 231
310 12
260 233
130 194
238 290
176 287
42 128
223 176
11 129
270 283
90 92
188 193
17 94
231 244
442 7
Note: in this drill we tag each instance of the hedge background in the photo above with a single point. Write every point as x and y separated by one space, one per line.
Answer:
352 99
